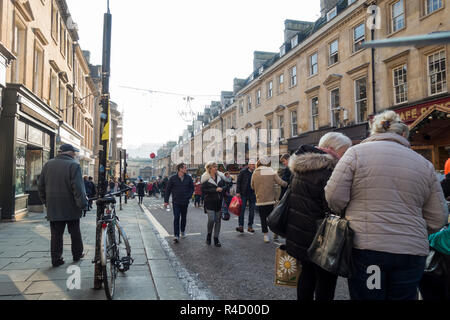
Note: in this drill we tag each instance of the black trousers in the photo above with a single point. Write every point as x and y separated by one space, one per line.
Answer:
264 212
314 279
57 233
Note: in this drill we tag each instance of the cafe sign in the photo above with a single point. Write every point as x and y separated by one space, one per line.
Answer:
411 114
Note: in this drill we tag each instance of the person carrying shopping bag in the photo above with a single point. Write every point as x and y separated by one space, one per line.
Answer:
214 187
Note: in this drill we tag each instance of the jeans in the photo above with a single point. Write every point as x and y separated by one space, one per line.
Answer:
251 210
385 276
264 212
179 211
56 243
314 279
214 221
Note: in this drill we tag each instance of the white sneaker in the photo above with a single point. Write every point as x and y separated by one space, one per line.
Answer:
183 235
176 239
266 238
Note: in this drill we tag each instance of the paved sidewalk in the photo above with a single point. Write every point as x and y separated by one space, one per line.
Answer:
26 272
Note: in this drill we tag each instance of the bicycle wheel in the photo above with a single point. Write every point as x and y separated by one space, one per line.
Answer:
112 255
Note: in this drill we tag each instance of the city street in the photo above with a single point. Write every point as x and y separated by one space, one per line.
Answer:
243 268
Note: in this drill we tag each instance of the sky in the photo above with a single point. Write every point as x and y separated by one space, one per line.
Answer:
188 47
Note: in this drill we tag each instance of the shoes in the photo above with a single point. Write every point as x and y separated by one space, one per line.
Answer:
176 239
208 239
250 229
266 238
58 262
240 229
217 243
183 235
78 258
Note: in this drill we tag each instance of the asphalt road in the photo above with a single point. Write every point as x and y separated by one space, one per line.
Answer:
242 269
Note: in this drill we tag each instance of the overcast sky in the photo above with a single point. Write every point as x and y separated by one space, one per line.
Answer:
193 47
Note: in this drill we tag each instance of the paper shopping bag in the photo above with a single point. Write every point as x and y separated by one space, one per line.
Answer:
287 268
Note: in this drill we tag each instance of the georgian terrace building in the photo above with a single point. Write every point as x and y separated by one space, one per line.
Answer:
48 100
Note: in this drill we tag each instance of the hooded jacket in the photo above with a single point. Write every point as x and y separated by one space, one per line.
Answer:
392 195
212 199
311 168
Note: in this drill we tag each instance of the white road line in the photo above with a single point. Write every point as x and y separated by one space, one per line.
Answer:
155 222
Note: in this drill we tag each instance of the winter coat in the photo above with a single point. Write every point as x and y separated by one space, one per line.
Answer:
212 199
198 188
181 191
286 176
141 189
392 195
445 184
311 168
263 182
62 190
243 184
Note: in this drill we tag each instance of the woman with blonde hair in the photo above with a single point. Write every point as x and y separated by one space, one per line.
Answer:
213 188
263 182
392 199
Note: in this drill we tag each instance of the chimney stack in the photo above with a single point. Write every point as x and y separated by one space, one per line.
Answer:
327 5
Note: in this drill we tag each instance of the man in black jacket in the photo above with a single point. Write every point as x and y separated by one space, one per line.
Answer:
62 190
246 193
286 173
181 187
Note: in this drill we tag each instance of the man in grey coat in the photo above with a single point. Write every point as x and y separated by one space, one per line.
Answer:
62 190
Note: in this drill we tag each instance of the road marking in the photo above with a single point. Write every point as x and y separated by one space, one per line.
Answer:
155 222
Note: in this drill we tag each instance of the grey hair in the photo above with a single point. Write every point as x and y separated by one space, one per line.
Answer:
389 121
335 140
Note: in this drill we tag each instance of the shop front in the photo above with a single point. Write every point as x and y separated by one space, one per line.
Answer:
429 124
356 133
28 129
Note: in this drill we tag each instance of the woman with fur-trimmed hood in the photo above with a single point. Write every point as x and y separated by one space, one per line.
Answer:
311 168
214 185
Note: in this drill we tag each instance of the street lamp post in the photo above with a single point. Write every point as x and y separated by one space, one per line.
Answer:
104 140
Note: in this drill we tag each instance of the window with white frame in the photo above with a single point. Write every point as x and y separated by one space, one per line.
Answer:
335 108
249 103
334 52
361 99
397 16
282 50
359 35
400 84
281 83
258 97
313 65
315 113
331 14
241 107
281 126
293 75
53 89
269 130
269 89
294 128
294 41
62 97
38 69
437 73
432 5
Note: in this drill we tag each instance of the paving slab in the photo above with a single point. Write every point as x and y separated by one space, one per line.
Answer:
162 269
13 288
170 289
15 275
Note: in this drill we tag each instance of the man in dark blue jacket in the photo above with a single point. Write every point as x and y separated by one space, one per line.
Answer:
246 193
181 187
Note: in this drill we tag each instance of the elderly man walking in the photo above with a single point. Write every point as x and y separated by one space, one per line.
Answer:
62 190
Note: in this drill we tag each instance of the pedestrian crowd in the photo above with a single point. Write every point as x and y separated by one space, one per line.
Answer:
390 195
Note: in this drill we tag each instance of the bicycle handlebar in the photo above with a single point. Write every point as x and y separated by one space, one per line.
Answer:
112 194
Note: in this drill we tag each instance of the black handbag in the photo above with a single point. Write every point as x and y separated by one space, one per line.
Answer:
277 219
332 246
435 264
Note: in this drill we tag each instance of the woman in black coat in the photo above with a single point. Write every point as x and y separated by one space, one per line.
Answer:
311 168
141 190
214 187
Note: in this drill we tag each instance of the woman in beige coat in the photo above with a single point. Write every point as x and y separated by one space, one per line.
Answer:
393 200
263 182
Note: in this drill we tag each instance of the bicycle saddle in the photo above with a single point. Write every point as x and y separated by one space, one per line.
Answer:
106 200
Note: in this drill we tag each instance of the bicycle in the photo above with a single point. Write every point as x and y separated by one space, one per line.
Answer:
113 241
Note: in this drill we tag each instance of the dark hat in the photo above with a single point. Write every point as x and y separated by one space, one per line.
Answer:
68 147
